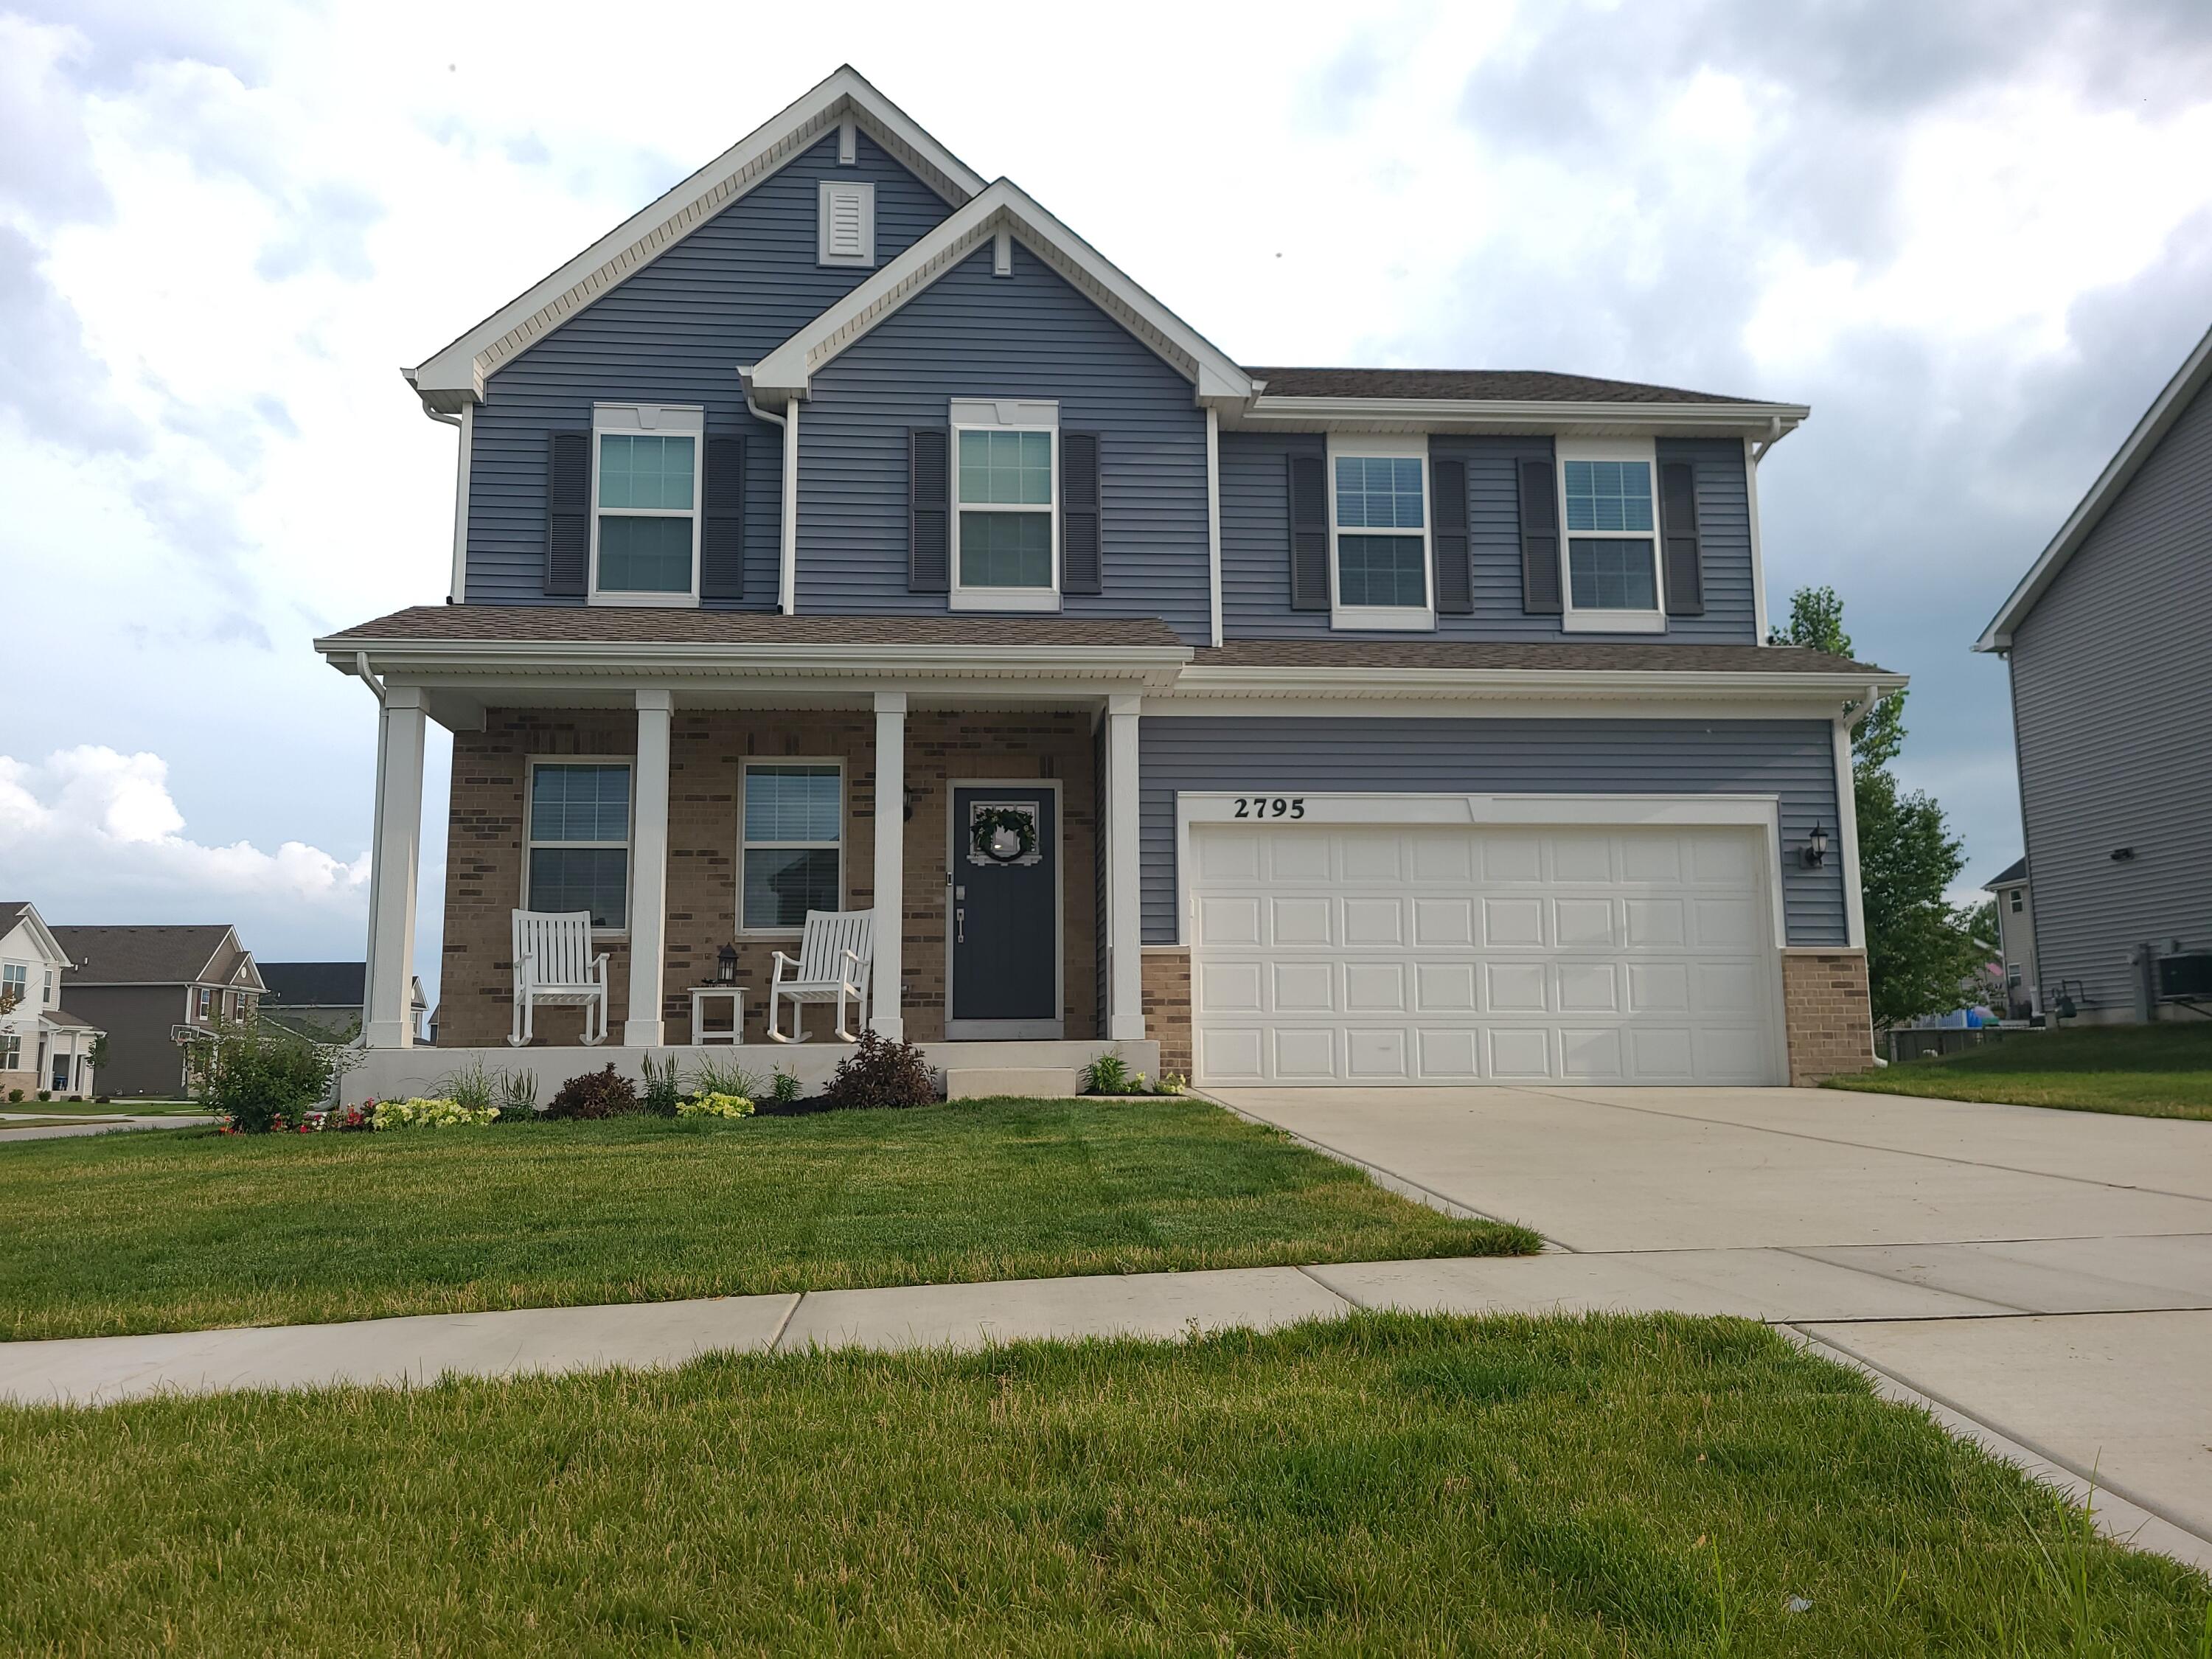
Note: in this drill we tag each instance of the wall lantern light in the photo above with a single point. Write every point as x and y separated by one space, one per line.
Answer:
1816 848
725 965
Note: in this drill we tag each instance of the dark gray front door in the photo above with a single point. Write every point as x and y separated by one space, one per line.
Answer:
1005 902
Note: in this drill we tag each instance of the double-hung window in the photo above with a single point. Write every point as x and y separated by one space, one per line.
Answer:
645 485
794 849
1613 580
15 980
578 857
1378 490
1005 463
11 1052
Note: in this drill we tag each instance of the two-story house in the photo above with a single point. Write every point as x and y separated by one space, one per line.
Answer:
844 531
152 987
2110 664
42 1048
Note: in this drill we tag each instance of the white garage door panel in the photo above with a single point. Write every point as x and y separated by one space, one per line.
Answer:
1364 953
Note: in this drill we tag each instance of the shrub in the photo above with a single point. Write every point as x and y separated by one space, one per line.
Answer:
14 1094
46 1094
260 1076
881 1072
471 1085
662 1095
712 1075
594 1095
517 1093
1108 1074
429 1114
784 1091
715 1106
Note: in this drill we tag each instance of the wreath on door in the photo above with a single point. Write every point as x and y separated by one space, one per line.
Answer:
1002 834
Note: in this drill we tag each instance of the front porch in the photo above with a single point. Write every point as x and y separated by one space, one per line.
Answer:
696 819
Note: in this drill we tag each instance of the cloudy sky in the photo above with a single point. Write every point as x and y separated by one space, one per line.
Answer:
1976 238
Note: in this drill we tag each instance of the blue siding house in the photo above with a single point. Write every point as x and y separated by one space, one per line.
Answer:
843 533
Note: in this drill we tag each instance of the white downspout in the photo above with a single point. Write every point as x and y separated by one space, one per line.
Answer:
360 668
1214 515
787 581
1847 817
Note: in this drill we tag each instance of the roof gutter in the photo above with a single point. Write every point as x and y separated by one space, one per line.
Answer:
1299 681
1769 423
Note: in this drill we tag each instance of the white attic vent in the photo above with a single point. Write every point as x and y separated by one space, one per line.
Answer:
845 223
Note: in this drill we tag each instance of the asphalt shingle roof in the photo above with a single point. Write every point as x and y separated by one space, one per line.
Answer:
1476 385
650 625
154 955
1585 656
314 984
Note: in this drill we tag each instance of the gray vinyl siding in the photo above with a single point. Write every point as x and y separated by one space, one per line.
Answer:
1029 335
1255 581
2111 683
1791 760
730 292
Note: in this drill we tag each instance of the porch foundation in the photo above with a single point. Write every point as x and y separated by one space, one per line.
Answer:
1828 1014
1167 1004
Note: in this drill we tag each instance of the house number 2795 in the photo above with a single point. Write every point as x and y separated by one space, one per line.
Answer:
1271 806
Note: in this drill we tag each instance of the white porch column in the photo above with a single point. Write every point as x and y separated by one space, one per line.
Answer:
1125 965
648 870
885 1014
393 860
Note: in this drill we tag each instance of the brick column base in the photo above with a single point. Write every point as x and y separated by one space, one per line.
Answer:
1826 1014
1167 1004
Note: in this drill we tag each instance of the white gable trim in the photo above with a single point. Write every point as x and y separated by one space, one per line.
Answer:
788 371
2190 379
42 936
456 375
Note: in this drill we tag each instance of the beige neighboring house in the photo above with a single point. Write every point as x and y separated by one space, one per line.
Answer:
40 1046
149 987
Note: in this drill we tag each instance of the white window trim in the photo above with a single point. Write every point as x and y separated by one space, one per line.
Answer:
1003 415
672 420
745 778
866 193
1400 618
628 843
1610 622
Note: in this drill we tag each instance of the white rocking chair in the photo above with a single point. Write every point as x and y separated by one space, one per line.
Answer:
553 968
837 955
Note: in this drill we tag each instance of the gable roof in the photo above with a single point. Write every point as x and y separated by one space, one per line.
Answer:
455 375
14 910
157 955
315 984
2195 373
2011 876
1478 384
1002 205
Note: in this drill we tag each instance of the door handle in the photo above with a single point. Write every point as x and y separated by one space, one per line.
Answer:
960 925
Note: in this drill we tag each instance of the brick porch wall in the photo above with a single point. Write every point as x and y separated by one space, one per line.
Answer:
484 857
1826 1014
1167 1004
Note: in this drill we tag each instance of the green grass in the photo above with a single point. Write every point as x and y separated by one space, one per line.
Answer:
1380 1484
2142 1071
180 1230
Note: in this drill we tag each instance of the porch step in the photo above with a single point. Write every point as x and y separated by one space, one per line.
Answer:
1036 1082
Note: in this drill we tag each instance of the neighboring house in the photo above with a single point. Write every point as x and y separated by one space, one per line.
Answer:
149 987
40 1046
323 999
2110 658
843 531
2016 940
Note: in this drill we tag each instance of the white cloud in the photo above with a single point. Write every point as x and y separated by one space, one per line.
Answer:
87 823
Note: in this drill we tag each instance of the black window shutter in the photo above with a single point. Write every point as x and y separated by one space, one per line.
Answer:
928 513
1309 482
722 519
1447 517
1082 561
1540 539
568 515
1678 526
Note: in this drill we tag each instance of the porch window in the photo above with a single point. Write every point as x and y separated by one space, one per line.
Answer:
794 842
579 853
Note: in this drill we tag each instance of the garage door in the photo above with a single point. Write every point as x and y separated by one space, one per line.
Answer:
1380 954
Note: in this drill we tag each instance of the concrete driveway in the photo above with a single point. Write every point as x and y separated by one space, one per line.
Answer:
2047 1275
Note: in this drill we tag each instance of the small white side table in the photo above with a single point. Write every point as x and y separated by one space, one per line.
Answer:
734 1033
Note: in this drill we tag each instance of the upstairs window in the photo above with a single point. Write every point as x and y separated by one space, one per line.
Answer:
1006 499
1612 558
15 980
793 851
645 503
578 856
1379 531
2017 902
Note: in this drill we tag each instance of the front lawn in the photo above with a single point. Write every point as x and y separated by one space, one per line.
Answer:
2143 1070
1379 1485
180 1230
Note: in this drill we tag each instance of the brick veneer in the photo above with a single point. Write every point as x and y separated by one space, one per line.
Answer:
484 870
1167 1004
1826 1014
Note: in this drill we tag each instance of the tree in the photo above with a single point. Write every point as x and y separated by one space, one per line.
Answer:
1921 948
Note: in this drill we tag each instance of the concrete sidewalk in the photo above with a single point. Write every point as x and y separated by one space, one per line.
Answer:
107 1124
